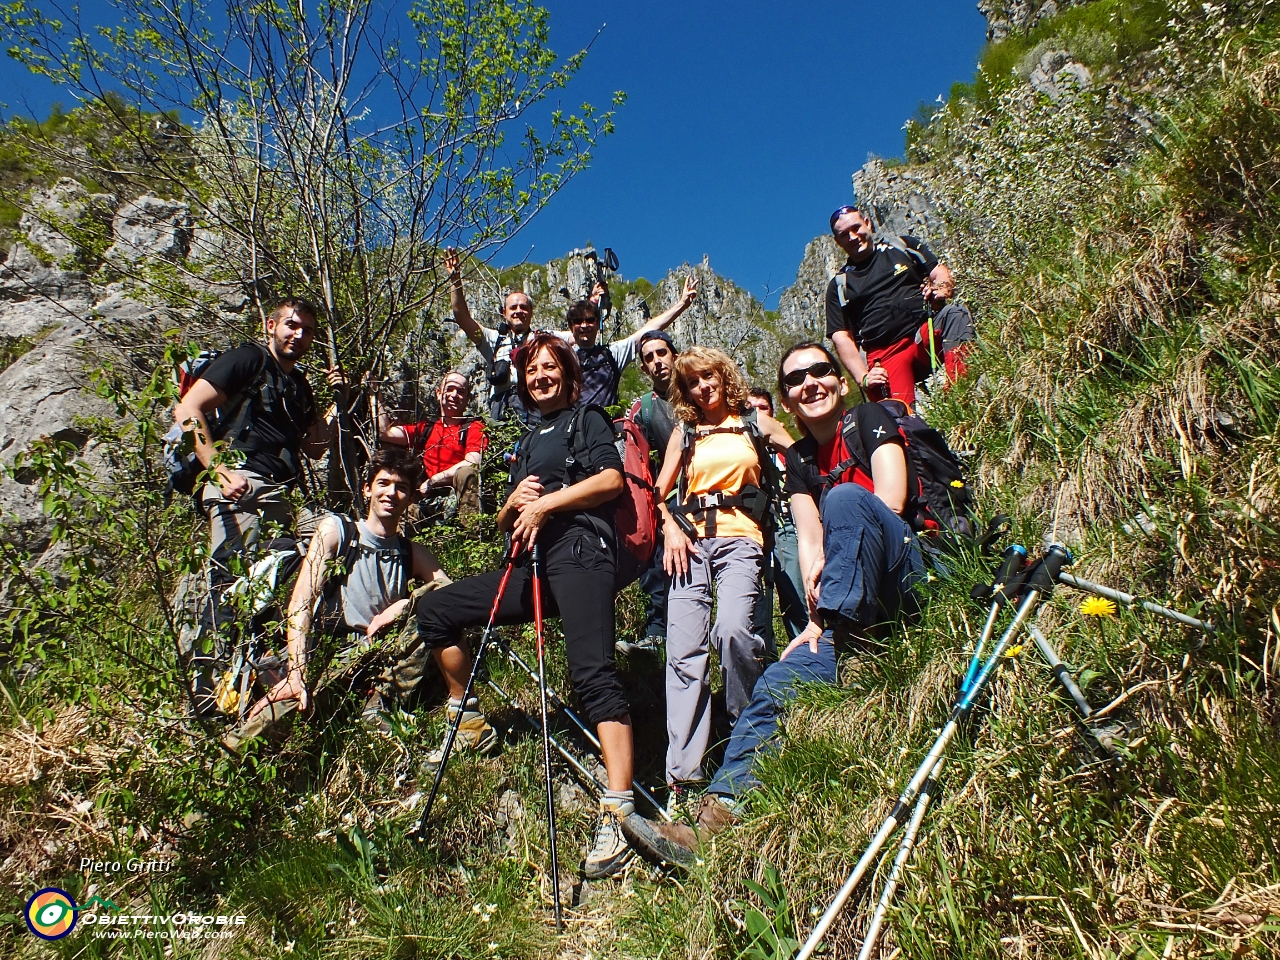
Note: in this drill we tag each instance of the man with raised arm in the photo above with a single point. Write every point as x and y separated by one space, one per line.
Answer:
602 364
496 344
875 306
451 446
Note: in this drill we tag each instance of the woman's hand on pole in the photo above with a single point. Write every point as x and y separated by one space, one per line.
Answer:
531 518
677 549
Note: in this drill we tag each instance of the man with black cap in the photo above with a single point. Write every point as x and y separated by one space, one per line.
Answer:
652 411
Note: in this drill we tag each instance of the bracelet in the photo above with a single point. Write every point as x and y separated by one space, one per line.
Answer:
864 379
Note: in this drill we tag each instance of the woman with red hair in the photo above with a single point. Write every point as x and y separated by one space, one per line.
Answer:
566 473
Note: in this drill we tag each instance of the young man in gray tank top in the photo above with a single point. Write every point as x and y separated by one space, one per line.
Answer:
375 592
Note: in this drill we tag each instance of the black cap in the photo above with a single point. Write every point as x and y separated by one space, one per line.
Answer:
657 335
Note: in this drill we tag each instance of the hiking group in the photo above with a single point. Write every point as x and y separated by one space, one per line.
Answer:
697 492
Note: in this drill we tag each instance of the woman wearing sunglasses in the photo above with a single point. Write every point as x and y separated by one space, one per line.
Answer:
860 562
714 538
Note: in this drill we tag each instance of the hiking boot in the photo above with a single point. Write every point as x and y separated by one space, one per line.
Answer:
474 733
646 646
678 844
374 715
610 852
682 797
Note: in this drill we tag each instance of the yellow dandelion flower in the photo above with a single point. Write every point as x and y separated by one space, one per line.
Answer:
1098 607
957 483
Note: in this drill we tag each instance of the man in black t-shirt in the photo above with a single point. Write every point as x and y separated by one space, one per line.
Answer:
267 415
876 306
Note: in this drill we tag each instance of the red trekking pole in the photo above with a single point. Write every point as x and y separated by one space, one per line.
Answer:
510 559
546 737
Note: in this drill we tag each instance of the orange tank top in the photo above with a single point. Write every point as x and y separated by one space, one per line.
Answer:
724 461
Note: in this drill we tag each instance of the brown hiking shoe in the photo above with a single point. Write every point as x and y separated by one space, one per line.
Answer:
678 843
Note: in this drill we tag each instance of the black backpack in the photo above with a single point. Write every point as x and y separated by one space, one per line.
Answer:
600 375
938 496
270 392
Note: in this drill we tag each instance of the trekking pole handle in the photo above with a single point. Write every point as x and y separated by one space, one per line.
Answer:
1010 574
1011 562
1043 577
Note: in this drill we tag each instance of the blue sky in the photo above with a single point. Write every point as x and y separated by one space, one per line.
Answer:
743 123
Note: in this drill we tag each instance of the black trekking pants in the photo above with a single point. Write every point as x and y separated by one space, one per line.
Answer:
577 586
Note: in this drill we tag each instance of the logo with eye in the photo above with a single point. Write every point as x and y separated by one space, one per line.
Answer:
51 913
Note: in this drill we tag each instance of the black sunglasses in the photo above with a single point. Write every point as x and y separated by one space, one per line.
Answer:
823 368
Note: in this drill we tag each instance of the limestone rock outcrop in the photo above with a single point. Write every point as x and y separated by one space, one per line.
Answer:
151 227
802 306
1018 16
1058 75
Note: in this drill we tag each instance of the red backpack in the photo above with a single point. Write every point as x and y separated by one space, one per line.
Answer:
635 511
635 514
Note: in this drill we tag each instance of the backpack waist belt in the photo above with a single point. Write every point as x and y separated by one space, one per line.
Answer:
752 500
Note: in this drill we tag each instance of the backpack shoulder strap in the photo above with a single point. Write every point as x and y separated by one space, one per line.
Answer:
854 447
574 429
646 411
901 245
406 556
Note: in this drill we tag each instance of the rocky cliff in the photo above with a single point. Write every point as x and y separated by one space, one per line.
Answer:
63 313
1018 16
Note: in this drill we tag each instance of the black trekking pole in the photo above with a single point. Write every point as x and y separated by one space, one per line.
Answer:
586 731
1129 600
546 736
927 793
1039 584
1003 589
509 556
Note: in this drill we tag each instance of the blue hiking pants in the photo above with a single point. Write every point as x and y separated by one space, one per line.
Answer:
872 565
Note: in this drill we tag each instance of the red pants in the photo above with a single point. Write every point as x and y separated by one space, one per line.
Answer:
954 360
906 362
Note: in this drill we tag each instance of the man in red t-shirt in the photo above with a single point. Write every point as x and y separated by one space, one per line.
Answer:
451 446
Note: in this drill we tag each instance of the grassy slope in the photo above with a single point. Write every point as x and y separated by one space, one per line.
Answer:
1127 299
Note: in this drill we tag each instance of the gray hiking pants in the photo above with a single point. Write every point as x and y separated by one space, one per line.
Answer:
235 525
733 565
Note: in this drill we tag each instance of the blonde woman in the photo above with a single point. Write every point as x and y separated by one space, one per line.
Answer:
715 539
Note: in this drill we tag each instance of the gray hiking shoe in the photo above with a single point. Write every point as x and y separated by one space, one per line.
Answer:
646 646
474 734
610 851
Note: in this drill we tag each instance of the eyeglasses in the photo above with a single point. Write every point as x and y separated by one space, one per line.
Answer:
823 368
